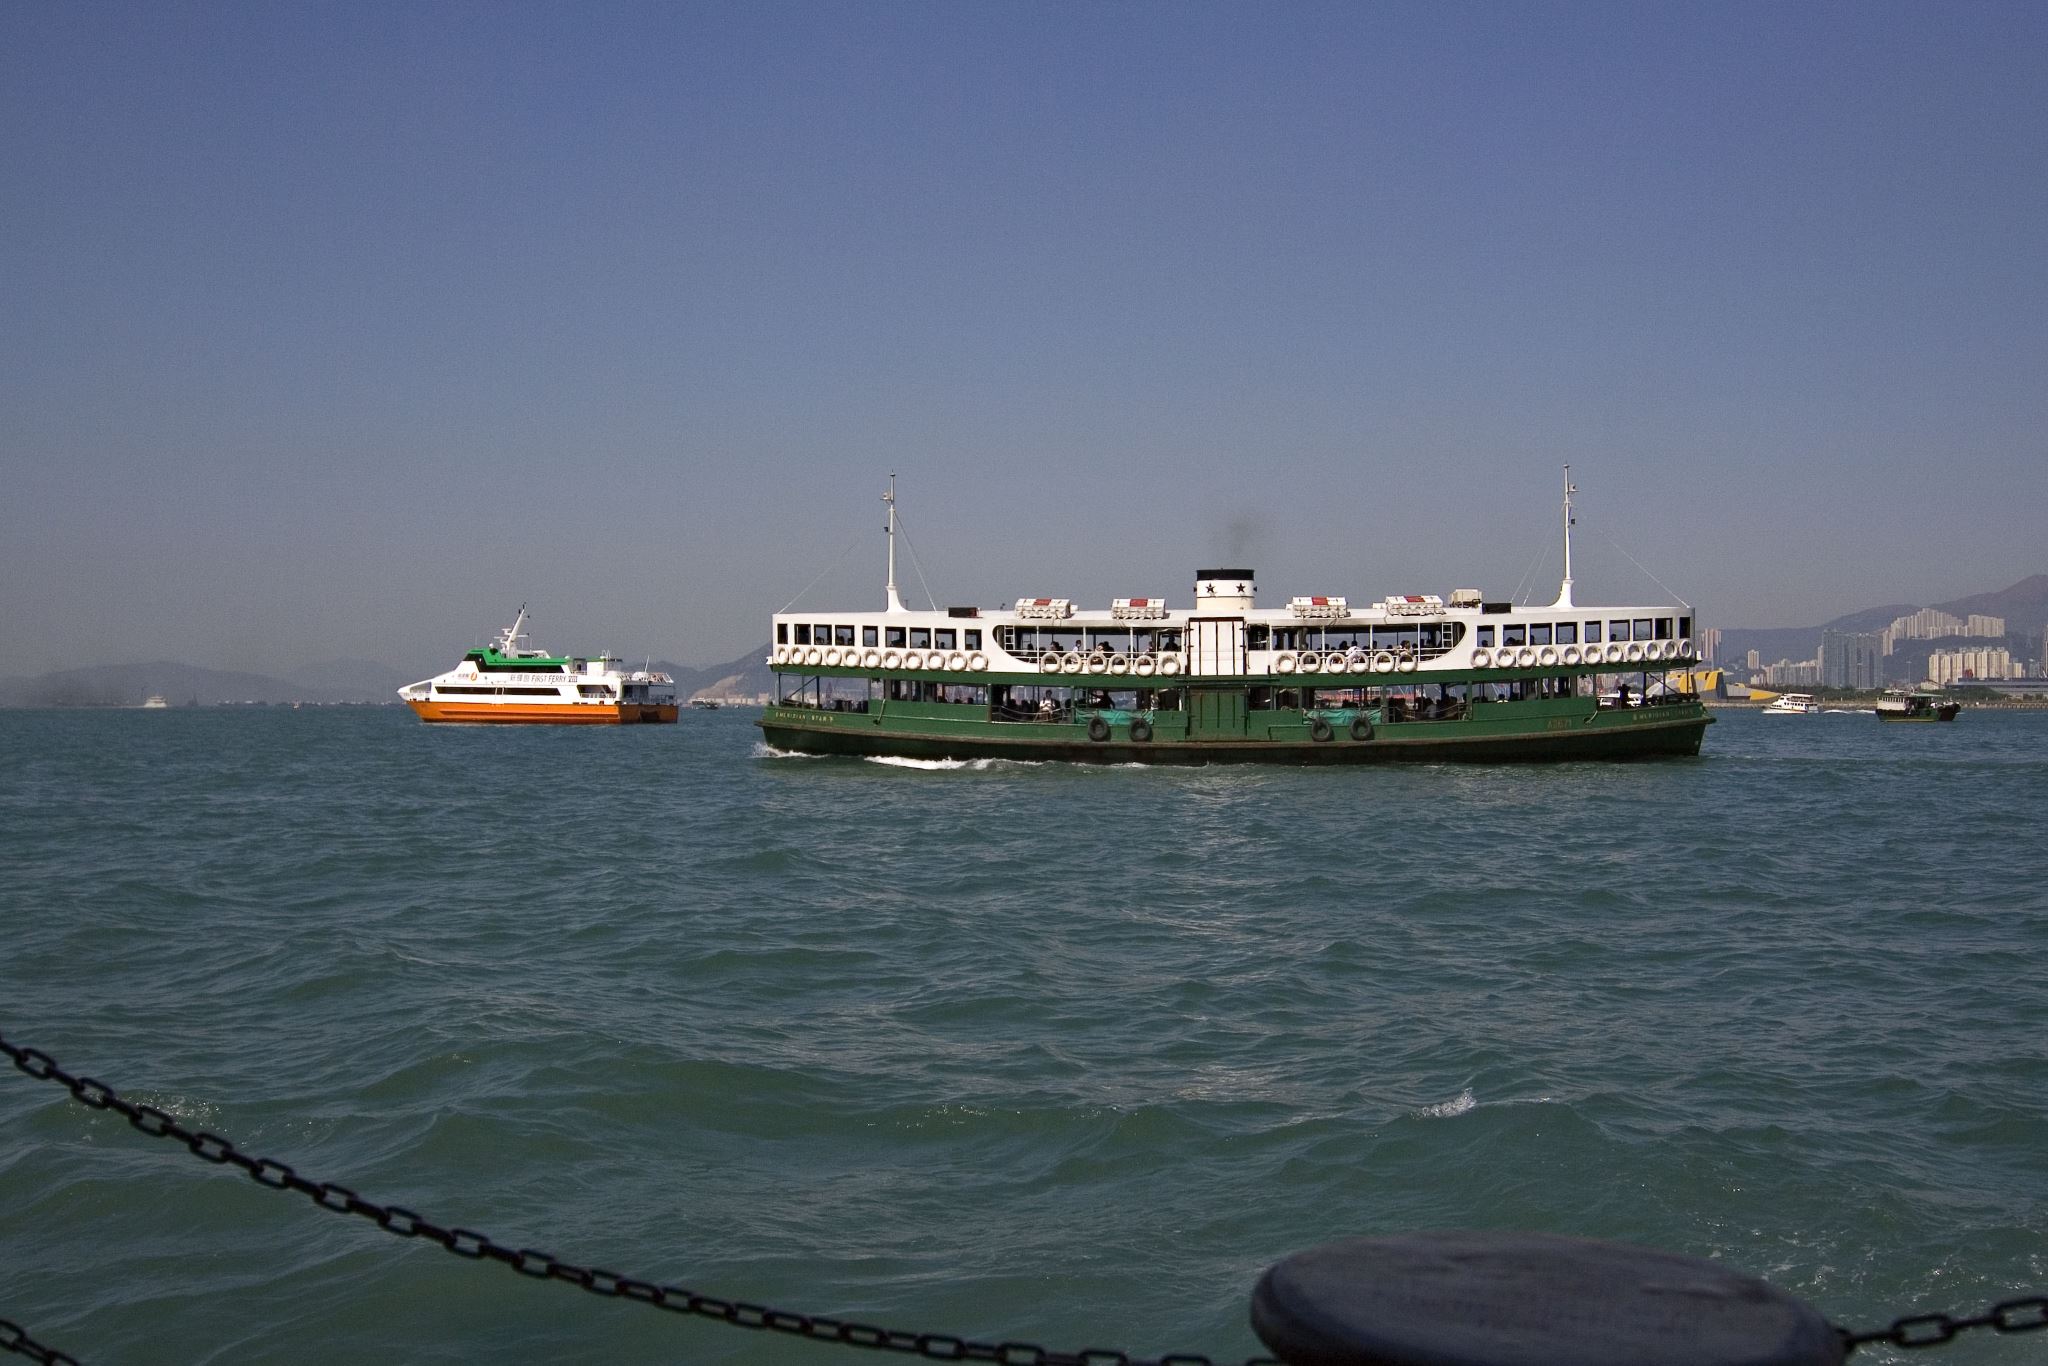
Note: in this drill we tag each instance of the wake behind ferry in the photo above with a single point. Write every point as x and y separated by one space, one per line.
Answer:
1410 677
508 681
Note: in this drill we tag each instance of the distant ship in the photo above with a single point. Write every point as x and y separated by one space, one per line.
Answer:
1792 704
506 681
1916 706
154 702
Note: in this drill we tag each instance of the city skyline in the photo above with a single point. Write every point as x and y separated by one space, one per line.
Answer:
339 334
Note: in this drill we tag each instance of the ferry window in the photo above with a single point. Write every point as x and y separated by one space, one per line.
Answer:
1685 626
1643 629
821 634
1258 637
1485 638
1567 633
1514 635
870 636
842 635
1664 628
1592 633
973 641
944 639
782 633
920 638
1617 630
895 636
1540 634
803 633
1169 640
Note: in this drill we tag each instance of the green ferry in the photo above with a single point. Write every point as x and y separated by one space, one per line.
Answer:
1407 678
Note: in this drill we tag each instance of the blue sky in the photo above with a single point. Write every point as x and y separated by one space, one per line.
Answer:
341 330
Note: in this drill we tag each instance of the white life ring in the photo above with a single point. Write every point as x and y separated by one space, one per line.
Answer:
1546 656
812 654
1311 662
1671 649
1357 664
1383 662
978 662
1070 663
1614 652
1119 664
871 660
956 661
781 655
1333 663
1685 648
892 659
831 659
1482 659
1049 662
1143 666
913 659
1525 658
1286 663
1407 664
1634 653
1170 664
1569 654
1097 664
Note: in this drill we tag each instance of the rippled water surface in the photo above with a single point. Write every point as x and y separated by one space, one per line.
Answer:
1018 1052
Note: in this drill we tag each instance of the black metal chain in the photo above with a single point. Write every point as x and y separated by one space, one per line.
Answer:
2022 1315
15 1339
544 1266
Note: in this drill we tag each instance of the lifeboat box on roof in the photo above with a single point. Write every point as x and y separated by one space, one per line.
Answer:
1414 605
1045 609
1466 597
1138 609
1318 607
1223 590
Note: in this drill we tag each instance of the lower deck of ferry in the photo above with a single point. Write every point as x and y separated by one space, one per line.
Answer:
547 714
1530 719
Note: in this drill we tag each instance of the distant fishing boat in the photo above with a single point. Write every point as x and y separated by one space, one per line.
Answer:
1793 704
1917 706
1412 677
507 681
154 702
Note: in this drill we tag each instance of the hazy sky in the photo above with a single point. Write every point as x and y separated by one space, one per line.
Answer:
339 330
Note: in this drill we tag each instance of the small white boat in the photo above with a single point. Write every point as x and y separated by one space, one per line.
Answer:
154 702
507 681
1793 704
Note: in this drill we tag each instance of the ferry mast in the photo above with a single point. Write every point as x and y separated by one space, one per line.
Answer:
1564 589
895 602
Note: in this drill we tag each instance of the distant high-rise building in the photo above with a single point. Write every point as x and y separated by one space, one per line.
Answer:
1710 644
1981 663
1849 659
1992 627
1756 659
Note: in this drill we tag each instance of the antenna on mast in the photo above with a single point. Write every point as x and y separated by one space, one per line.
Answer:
1564 590
895 603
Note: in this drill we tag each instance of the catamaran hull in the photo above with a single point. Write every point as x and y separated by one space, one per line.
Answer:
558 714
1678 738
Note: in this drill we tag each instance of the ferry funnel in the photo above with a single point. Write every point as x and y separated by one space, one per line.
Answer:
1223 590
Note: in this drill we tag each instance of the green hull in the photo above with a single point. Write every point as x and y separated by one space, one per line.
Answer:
1537 732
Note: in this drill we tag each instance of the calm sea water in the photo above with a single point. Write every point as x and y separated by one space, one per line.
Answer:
1065 1055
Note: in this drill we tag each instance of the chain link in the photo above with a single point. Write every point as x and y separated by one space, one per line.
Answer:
2023 1315
475 1246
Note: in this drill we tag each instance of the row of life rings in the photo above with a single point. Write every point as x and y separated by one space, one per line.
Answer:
1614 652
1335 662
1143 666
830 657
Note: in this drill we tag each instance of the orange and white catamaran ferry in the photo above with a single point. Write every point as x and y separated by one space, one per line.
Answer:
508 681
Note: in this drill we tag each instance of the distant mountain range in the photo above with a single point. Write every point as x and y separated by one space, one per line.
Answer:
338 681
342 681
2024 607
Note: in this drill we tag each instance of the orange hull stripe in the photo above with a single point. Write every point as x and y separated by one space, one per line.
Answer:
561 714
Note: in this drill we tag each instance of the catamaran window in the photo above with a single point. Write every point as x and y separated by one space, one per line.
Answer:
1592 633
1539 634
894 636
782 633
1567 633
1485 638
974 640
1643 629
1664 628
870 635
842 635
803 633
943 639
920 638
595 690
1617 630
1514 635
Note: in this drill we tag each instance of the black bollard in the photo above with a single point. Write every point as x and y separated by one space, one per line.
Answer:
1527 1299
